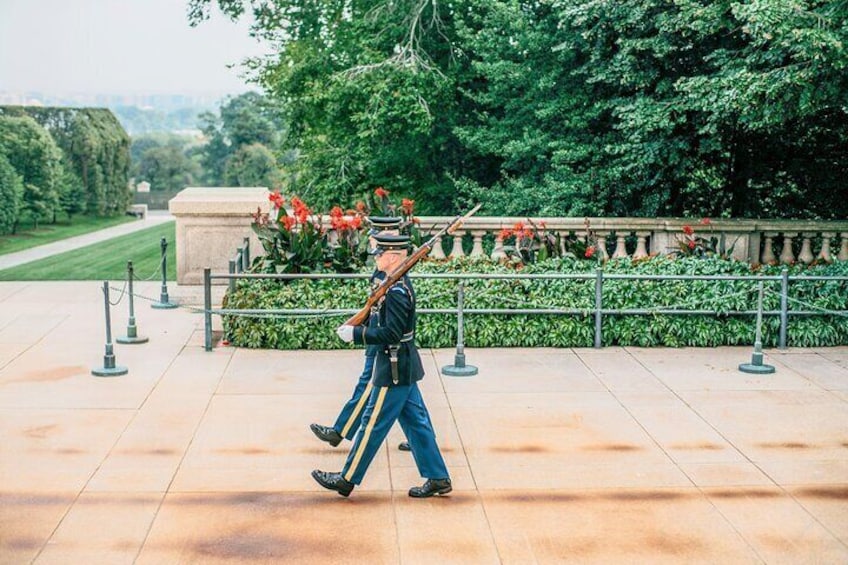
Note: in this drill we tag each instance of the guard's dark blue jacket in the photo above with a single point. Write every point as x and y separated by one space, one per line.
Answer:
395 327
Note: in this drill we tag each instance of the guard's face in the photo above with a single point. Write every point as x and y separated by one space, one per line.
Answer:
387 261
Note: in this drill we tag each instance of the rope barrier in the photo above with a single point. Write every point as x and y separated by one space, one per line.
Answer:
121 297
812 306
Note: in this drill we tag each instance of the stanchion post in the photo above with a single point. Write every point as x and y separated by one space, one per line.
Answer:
599 289
207 308
784 307
163 296
246 255
132 331
109 369
756 365
459 368
231 284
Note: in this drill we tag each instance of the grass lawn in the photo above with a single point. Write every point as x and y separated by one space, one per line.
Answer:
106 260
48 233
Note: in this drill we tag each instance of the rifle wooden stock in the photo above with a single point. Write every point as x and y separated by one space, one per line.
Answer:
360 317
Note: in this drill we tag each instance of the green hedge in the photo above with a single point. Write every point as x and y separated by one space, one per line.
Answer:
439 330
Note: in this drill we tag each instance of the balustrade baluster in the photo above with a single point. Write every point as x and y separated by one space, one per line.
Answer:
437 252
620 247
824 253
786 255
602 247
843 249
498 252
806 254
641 247
477 249
768 249
457 251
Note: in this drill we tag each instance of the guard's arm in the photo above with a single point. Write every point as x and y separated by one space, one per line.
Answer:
396 307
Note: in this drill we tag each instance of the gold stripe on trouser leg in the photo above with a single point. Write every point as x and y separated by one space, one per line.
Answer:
364 441
359 405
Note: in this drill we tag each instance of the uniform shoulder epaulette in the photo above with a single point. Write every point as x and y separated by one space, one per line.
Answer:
398 287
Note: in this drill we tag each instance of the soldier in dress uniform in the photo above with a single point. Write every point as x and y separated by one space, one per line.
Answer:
350 416
395 395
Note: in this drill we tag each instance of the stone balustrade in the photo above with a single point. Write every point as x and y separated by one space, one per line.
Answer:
212 223
754 241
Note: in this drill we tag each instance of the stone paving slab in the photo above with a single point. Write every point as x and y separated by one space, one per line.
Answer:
618 455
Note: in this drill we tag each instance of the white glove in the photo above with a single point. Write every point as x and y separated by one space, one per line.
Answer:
345 333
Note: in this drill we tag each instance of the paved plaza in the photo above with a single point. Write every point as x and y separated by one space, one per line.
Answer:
616 455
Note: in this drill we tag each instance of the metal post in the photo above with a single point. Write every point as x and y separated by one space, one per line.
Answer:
207 308
756 365
163 296
599 285
246 255
132 331
459 368
109 369
232 281
784 306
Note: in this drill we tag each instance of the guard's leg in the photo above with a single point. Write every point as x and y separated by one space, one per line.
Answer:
415 421
351 415
384 405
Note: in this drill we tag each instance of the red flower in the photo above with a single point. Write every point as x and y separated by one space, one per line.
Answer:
527 233
301 210
705 221
407 205
276 199
287 222
505 233
590 251
356 222
381 192
518 227
688 230
360 207
336 212
691 244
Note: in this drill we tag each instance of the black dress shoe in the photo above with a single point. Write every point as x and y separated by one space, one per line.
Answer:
333 481
326 433
431 487
404 446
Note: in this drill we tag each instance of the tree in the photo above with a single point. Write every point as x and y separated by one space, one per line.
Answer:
37 159
11 193
94 146
167 168
249 118
253 165
575 107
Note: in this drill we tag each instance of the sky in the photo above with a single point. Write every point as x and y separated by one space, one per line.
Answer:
119 47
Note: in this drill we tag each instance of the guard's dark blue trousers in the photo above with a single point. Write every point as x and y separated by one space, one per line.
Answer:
349 418
385 405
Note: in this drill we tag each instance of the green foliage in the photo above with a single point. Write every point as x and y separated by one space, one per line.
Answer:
37 160
243 141
167 168
253 165
564 107
515 330
94 147
11 193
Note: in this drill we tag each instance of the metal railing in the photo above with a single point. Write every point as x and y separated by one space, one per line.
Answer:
598 310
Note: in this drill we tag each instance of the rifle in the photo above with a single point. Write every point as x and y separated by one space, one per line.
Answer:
393 277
